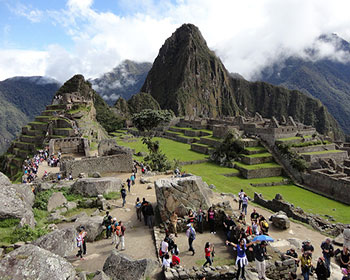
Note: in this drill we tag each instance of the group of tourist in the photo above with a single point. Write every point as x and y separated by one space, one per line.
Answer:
116 230
31 165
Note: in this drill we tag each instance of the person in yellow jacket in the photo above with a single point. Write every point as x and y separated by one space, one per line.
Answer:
306 265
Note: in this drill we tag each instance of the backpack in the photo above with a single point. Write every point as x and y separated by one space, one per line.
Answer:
118 230
265 224
190 233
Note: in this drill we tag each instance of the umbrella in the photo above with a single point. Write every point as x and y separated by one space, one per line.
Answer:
263 238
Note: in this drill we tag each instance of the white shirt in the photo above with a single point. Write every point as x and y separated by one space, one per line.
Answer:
165 246
166 262
241 195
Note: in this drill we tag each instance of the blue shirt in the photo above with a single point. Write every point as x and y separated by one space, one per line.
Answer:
241 251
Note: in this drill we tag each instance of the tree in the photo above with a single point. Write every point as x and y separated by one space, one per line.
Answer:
149 119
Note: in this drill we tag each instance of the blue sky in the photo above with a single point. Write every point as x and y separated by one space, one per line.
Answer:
60 38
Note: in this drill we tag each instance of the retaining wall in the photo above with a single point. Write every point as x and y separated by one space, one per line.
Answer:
260 173
256 160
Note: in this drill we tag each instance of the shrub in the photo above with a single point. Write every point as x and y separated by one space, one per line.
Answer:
11 222
41 199
229 149
26 233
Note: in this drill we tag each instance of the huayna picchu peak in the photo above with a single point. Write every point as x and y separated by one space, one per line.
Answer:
72 113
188 78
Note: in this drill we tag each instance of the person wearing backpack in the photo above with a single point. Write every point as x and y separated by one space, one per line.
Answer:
114 229
264 225
80 240
121 232
107 221
138 205
322 270
128 182
123 195
191 235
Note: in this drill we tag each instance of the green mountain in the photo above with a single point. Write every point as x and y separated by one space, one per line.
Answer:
326 79
21 99
190 79
123 81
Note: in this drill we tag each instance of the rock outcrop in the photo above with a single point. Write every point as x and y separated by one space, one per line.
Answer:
95 186
4 180
93 226
280 220
180 195
16 202
57 199
32 262
121 267
109 147
60 242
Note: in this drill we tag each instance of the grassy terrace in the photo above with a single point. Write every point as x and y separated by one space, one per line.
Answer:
189 128
323 152
257 166
259 155
255 149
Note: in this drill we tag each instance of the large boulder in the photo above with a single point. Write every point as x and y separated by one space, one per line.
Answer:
100 275
60 242
95 186
339 240
57 199
93 226
16 202
4 180
177 194
109 147
280 220
31 262
122 267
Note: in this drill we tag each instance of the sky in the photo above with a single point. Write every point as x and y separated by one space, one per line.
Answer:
58 38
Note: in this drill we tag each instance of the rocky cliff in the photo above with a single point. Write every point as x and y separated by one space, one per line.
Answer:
190 79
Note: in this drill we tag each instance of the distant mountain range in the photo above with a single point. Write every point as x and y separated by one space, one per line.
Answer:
21 99
327 79
123 81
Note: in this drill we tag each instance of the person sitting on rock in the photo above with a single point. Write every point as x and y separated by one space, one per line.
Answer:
166 262
175 260
344 258
241 219
346 273
291 254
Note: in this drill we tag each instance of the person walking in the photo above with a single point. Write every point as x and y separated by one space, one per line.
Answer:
149 214
322 269
115 237
128 182
260 255
144 204
84 236
245 204
200 218
305 264
211 220
207 252
123 194
327 251
138 206
241 260
121 234
80 240
132 178
173 221
240 197
107 221
191 235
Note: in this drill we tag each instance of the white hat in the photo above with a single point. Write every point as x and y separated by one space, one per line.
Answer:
114 219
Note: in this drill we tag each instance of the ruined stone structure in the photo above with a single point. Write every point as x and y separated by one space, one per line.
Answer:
106 164
72 145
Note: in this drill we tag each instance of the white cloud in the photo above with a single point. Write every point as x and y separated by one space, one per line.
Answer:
33 15
245 34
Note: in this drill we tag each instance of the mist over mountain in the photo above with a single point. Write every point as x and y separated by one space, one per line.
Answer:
327 79
123 81
21 99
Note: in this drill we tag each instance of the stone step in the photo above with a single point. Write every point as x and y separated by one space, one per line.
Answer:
32 139
43 118
51 112
209 141
338 155
313 148
254 150
259 170
200 148
24 146
248 142
41 126
21 153
257 158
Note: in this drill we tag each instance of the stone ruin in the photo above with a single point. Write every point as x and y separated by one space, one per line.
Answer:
71 145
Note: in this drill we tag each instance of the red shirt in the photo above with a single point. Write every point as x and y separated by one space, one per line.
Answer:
175 260
207 252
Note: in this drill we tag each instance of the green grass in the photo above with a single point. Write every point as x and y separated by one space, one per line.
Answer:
76 211
322 152
255 149
190 128
217 262
112 195
290 138
38 123
259 155
173 149
257 166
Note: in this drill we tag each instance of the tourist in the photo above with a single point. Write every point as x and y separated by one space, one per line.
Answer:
344 258
291 254
307 247
166 262
207 252
107 221
84 234
200 218
255 228
346 273
138 205
260 255
322 269
241 219
132 178
191 217
264 225
173 221
115 237
123 194
80 241
346 235
245 204
229 224
143 209
164 247
172 245
240 197
306 265
327 251
254 216
211 220
70 177
191 235
149 215
241 260
120 233
128 182
175 260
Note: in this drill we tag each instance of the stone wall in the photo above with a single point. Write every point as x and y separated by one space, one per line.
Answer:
210 142
338 156
313 148
72 145
107 164
199 148
256 160
259 173
336 187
